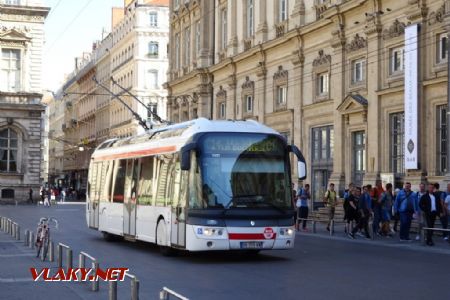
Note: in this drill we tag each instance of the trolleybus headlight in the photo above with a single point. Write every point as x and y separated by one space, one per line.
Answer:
286 232
210 232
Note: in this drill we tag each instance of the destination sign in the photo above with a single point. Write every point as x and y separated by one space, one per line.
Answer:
245 143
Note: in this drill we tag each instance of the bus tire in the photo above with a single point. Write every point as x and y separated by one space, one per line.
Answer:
108 236
161 239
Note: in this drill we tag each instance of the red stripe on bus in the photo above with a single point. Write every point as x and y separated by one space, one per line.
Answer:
131 154
249 236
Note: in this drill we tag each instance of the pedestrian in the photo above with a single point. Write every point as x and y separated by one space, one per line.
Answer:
351 208
52 196
30 195
42 194
446 206
387 200
330 201
46 201
63 195
347 194
303 197
364 212
431 208
419 215
376 194
405 205
443 214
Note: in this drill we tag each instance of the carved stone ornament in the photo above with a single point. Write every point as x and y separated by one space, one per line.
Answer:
397 29
437 16
248 84
221 93
357 43
280 74
322 59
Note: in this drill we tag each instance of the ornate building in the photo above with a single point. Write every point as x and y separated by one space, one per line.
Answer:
134 55
21 111
328 74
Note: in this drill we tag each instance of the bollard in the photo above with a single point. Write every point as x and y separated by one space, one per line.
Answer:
95 282
18 233
134 289
69 258
59 256
423 236
51 251
31 241
13 230
81 262
163 295
26 237
314 226
112 290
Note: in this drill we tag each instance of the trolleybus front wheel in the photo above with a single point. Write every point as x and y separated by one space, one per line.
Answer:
161 239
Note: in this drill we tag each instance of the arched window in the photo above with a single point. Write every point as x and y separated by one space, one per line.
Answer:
8 150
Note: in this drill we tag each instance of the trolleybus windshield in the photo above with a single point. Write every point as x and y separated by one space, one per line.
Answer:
240 170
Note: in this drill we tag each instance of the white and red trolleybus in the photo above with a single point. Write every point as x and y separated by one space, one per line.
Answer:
198 185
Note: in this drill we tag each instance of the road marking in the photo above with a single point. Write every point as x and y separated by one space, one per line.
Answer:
12 280
17 255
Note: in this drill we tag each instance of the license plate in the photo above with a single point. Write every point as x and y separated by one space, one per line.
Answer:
251 245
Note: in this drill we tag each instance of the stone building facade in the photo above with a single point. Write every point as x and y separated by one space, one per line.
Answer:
329 75
134 54
21 111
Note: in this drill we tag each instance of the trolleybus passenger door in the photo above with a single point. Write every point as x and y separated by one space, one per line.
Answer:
129 207
94 194
178 232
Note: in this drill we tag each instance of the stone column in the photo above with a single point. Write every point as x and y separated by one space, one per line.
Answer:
260 92
373 117
447 25
337 81
298 14
207 36
262 29
232 18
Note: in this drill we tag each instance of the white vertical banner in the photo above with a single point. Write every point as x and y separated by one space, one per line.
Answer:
411 95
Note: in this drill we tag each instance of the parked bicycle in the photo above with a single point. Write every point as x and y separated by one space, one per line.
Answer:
43 236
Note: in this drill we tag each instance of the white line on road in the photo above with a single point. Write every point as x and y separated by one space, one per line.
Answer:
12 280
16 255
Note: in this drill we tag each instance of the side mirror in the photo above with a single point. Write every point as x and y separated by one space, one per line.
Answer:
301 165
185 163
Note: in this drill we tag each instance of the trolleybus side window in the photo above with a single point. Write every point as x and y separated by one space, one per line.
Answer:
174 183
119 181
146 182
92 185
164 168
105 193
195 195
100 179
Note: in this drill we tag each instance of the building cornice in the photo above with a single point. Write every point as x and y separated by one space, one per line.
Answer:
12 12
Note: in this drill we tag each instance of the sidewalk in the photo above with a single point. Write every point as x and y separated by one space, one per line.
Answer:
16 281
440 246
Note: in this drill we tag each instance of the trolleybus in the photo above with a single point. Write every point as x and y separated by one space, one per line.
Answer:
199 185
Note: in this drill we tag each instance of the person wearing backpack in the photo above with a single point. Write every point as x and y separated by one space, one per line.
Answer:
330 201
303 197
405 205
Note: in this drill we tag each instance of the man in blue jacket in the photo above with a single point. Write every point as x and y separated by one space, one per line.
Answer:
364 211
405 205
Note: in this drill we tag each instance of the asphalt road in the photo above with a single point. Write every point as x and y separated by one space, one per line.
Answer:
318 268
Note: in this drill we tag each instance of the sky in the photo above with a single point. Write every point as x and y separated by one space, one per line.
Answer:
70 29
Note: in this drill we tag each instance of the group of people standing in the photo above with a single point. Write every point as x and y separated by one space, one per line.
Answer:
386 207
51 194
